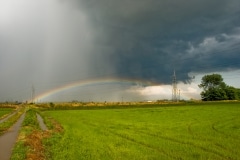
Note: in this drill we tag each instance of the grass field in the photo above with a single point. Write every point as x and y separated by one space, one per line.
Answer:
4 111
210 131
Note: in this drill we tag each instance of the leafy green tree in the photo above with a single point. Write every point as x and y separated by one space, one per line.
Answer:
214 88
238 93
231 92
211 81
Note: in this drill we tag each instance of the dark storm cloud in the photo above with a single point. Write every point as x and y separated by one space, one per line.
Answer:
148 39
49 44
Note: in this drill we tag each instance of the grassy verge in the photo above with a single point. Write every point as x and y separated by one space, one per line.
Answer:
13 119
55 134
30 140
4 112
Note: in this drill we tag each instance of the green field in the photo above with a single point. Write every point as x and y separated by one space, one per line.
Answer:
210 131
4 111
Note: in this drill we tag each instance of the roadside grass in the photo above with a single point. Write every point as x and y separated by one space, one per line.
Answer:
8 123
29 145
209 131
55 132
5 111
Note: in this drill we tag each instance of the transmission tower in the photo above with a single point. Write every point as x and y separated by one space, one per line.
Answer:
33 93
174 88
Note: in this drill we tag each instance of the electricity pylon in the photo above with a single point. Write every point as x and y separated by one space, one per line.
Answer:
33 93
174 88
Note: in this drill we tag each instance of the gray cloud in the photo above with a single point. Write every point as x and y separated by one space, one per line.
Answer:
50 43
148 39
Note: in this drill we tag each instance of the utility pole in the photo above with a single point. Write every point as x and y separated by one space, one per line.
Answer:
33 93
174 88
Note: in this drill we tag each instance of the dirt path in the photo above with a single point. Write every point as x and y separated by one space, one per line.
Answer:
8 139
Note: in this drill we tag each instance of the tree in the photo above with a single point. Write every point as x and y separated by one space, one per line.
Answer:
231 92
215 89
238 93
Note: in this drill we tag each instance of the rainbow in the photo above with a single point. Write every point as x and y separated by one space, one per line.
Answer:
91 82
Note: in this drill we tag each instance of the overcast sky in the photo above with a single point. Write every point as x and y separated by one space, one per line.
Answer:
52 43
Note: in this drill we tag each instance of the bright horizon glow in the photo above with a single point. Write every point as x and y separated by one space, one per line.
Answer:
146 89
130 82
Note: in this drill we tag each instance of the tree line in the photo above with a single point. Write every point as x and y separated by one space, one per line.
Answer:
215 89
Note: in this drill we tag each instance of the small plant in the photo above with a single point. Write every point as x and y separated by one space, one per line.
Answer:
51 105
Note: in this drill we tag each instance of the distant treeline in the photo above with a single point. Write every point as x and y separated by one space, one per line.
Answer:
91 106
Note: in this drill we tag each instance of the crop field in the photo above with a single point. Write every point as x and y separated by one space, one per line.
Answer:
210 131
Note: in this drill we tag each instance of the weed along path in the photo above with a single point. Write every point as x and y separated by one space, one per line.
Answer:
10 115
8 139
41 123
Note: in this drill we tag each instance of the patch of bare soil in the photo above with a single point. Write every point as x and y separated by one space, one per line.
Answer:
34 141
56 126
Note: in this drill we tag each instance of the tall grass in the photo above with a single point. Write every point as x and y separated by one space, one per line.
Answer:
210 131
5 111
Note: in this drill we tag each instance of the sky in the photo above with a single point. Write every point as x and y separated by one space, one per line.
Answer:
101 50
